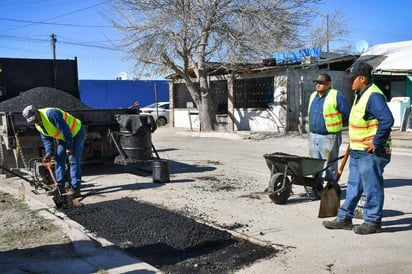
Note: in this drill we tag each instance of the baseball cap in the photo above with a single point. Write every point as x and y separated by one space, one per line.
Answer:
323 77
360 69
29 113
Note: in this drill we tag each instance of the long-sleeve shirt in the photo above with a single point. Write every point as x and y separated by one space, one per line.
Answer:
316 119
56 118
377 108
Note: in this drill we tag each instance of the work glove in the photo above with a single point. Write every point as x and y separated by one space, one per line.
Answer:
47 159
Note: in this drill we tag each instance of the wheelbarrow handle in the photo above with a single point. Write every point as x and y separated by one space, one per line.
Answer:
342 164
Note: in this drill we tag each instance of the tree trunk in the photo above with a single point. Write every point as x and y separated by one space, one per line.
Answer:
207 113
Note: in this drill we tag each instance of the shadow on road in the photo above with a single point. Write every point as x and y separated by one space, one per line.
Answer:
56 258
401 224
397 182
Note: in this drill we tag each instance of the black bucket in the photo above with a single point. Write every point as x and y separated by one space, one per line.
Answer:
160 171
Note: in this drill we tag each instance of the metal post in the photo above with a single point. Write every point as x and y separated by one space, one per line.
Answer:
53 43
156 101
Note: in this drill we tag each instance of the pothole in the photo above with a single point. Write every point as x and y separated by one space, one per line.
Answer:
167 240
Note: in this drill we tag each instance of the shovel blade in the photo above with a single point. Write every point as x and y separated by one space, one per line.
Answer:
329 201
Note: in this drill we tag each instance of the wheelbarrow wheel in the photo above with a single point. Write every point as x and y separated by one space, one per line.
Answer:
278 194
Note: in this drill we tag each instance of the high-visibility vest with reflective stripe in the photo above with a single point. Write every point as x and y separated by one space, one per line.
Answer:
331 115
361 131
51 131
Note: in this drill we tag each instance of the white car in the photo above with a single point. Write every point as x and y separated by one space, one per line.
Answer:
160 113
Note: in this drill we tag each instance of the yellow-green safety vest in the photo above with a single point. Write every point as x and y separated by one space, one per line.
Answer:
361 131
51 131
331 115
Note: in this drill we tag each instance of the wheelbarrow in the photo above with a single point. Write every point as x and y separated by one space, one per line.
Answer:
287 169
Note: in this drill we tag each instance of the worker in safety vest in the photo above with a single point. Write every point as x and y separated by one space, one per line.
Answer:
69 133
328 111
370 124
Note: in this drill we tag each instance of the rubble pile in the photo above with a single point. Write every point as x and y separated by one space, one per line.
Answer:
43 97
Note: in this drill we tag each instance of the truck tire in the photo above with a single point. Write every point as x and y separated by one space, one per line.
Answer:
278 194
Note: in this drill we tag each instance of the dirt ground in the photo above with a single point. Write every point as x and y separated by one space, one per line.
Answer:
23 228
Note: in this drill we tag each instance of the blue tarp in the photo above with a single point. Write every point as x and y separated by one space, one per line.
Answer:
295 56
113 94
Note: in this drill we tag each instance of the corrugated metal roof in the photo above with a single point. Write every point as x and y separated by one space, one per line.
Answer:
389 58
219 68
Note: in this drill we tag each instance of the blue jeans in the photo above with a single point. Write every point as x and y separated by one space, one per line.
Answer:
326 147
74 160
365 176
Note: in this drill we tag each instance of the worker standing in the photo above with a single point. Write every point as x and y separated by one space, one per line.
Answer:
370 124
69 133
328 111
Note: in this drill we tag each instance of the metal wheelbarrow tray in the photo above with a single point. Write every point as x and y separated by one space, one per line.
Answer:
287 169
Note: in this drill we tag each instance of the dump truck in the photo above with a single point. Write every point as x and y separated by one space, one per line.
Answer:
108 135
20 74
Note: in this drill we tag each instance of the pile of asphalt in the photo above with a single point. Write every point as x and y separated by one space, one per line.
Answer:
167 240
42 97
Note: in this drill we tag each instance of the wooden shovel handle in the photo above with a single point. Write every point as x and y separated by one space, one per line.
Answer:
48 166
344 160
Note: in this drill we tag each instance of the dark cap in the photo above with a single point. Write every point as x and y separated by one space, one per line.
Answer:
29 113
360 69
323 77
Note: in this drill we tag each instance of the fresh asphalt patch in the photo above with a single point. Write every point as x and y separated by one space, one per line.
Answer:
168 240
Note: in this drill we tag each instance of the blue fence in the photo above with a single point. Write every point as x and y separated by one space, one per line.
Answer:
113 94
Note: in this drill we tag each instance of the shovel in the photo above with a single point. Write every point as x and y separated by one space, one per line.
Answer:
330 198
61 201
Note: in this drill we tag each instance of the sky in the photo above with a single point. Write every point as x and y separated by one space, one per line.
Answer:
82 32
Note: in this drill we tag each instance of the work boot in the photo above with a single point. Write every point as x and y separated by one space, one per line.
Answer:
55 190
338 224
74 192
367 228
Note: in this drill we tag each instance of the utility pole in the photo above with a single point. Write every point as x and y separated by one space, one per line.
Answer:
53 44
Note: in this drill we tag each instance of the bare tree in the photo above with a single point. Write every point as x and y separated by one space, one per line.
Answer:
330 28
184 35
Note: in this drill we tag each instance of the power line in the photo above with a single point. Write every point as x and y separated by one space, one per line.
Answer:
24 38
81 44
89 45
56 17
54 24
